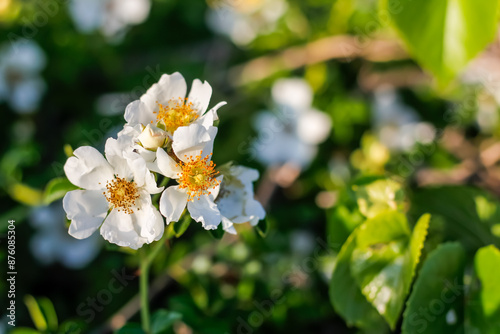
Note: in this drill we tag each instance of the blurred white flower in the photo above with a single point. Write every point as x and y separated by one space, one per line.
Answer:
236 200
244 20
21 84
51 242
191 165
111 17
397 125
292 134
117 190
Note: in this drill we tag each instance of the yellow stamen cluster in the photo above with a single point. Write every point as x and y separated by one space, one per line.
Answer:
122 194
198 176
175 114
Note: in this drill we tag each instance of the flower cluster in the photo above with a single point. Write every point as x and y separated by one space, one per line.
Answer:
168 134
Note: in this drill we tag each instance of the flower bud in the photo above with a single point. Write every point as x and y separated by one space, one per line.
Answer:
152 137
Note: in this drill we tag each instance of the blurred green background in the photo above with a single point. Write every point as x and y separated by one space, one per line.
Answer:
69 68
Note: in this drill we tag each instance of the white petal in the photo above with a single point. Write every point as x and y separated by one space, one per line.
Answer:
245 174
169 87
314 126
228 226
167 165
88 169
86 209
121 229
114 154
210 116
200 95
193 140
205 211
150 222
255 210
139 112
172 203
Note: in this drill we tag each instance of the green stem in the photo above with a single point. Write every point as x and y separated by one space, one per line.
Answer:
146 325
146 261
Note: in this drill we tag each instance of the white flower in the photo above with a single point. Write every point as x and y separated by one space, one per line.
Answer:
292 135
397 125
166 106
51 242
236 200
190 164
116 196
20 82
244 20
112 17
161 111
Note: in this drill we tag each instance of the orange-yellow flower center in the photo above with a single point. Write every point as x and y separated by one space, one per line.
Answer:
176 113
198 176
122 194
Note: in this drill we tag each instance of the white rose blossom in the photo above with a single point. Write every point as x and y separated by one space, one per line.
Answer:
153 119
189 162
115 196
236 200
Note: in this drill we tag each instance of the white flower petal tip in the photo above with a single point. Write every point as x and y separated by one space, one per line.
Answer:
87 168
121 183
172 203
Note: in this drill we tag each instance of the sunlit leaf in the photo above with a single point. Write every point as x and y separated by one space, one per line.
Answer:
25 194
384 261
379 196
483 308
435 305
444 35
345 295
36 313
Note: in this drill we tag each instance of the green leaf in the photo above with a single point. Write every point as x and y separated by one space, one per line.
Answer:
345 295
163 320
49 312
444 35
262 227
487 264
340 224
178 228
378 196
56 189
24 330
218 233
130 328
462 208
435 305
35 313
384 261
483 309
